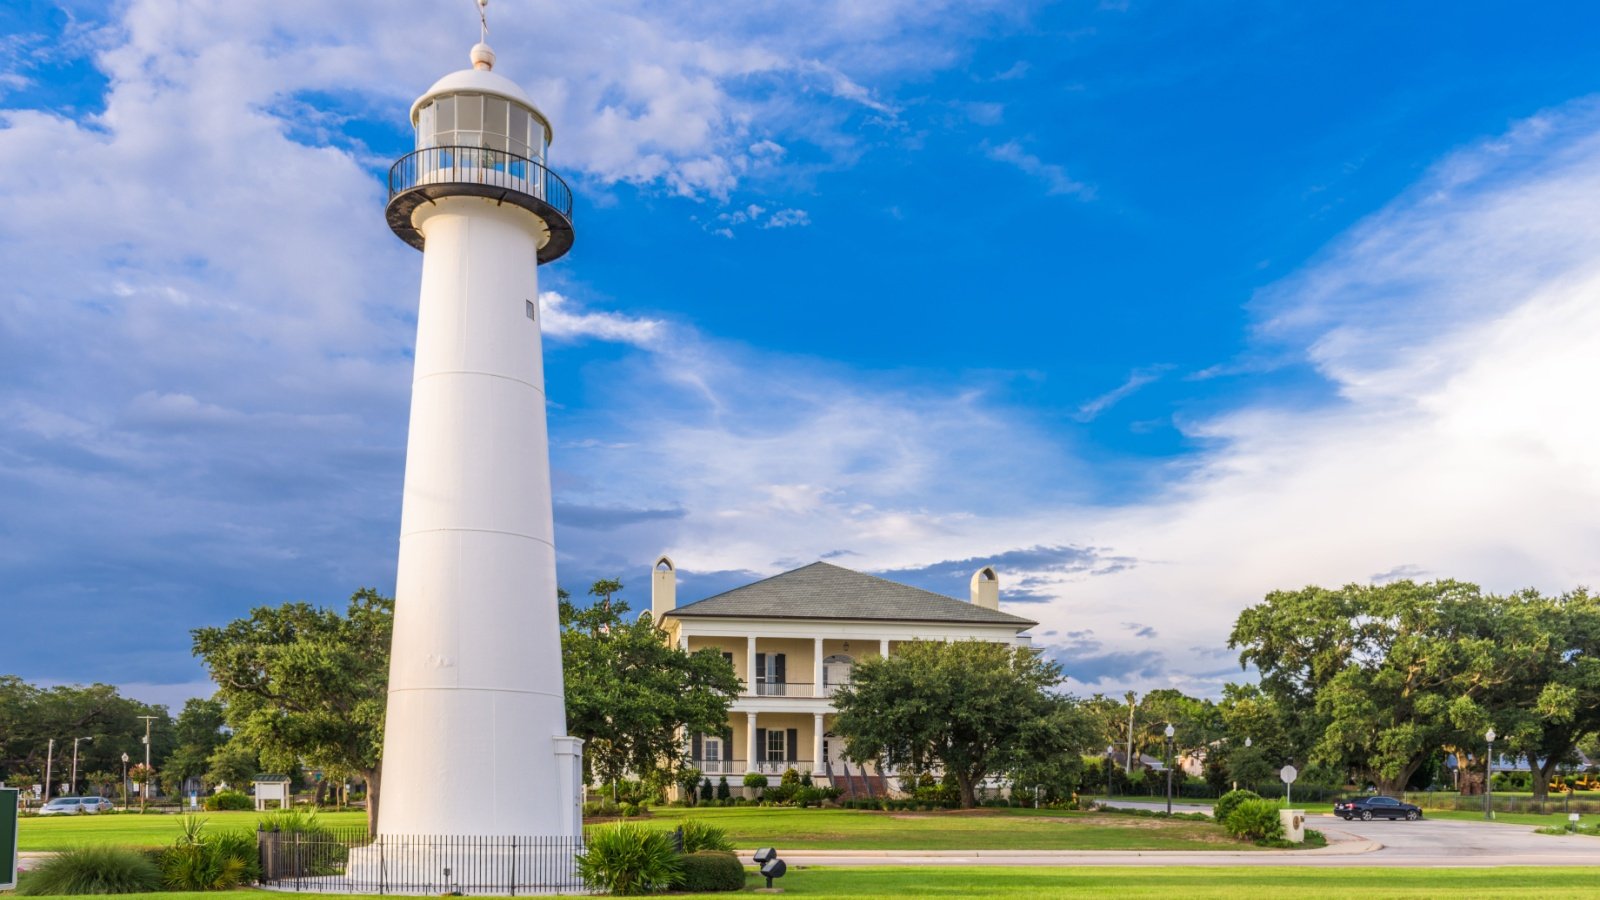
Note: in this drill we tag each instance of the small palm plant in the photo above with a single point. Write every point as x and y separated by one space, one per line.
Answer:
627 859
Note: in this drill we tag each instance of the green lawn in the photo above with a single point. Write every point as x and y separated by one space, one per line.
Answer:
983 829
751 827
135 830
1187 883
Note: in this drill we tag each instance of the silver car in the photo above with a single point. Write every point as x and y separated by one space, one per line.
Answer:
71 806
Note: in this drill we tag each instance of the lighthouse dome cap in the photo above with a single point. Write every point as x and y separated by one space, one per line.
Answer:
478 81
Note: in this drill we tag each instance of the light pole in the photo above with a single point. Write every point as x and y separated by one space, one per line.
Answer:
124 782
75 761
144 789
49 761
1488 777
1169 734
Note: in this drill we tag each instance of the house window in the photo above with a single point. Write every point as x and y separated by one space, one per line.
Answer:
712 749
777 751
770 674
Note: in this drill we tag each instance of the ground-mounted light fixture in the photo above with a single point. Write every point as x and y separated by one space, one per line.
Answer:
771 866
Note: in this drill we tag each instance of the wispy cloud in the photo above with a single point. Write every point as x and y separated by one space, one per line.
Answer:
1054 177
1137 379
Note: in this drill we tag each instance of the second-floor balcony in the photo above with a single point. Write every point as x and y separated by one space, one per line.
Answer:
793 689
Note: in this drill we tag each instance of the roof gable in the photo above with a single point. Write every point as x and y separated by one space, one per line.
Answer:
825 591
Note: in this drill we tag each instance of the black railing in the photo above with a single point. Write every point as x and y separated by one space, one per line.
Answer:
337 860
482 166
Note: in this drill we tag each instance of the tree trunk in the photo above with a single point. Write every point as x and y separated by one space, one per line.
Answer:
969 794
1542 776
371 777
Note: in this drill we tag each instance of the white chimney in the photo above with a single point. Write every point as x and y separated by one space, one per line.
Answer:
986 588
663 589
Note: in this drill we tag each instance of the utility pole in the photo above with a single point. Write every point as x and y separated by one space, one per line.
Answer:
144 791
49 757
1127 762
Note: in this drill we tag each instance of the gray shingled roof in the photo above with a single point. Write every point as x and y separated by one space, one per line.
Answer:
824 591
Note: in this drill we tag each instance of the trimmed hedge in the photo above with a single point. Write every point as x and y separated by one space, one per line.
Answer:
711 870
229 800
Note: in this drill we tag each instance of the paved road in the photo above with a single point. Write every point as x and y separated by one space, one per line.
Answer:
1430 842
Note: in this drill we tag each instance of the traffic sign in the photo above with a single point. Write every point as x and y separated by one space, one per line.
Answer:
1288 774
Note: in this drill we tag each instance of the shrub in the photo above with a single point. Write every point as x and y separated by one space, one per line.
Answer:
630 810
698 835
93 870
722 788
791 777
755 780
319 852
629 859
1255 820
1226 803
209 862
229 800
711 870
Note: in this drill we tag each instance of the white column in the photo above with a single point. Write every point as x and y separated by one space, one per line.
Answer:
816 742
750 742
683 642
750 674
816 668
883 647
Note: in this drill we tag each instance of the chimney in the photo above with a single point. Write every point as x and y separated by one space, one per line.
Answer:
986 588
663 589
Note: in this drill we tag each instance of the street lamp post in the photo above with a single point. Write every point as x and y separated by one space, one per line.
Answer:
144 789
1169 768
124 782
75 762
49 764
1488 777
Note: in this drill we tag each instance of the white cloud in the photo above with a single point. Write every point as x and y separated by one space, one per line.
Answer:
1136 380
561 322
1055 178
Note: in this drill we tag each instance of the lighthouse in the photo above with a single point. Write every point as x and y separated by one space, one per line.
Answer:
475 740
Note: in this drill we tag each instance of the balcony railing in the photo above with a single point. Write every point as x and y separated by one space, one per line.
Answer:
784 689
779 766
480 165
720 766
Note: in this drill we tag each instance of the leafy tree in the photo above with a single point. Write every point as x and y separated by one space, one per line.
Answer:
31 715
300 682
974 709
233 764
630 694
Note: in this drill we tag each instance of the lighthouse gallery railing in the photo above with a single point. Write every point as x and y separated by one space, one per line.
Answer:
479 165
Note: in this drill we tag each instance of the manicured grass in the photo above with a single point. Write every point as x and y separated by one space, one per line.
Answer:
981 829
1187 883
135 830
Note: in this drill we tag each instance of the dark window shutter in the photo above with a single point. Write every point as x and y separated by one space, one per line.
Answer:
779 676
727 741
728 657
793 741
761 745
696 746
761 668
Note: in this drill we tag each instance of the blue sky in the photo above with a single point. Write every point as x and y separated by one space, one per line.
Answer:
1156 307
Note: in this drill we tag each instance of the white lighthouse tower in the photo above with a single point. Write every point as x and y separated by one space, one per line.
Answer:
475 741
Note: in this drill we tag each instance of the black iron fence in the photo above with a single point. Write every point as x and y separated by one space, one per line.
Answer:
480 165
341 860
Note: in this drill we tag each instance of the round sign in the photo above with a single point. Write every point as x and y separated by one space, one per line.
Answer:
1288 774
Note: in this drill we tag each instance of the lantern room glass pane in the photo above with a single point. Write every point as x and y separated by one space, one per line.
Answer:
446 113
494 115
469 112
519 130
425 127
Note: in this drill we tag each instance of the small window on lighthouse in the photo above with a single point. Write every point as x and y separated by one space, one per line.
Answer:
531 309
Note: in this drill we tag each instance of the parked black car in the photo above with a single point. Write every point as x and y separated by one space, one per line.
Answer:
1368 808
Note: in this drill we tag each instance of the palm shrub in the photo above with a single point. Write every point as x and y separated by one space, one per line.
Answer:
199 861
306 845
711 870
1227 802
93 870
627 859
698 835
1255 820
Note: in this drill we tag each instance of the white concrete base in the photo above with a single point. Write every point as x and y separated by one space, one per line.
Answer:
1294 825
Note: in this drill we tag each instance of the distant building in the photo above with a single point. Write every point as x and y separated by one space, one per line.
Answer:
794 638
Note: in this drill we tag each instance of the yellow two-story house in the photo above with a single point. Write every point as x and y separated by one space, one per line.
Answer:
793 640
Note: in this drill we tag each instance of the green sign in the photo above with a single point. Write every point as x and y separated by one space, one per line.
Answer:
8 838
